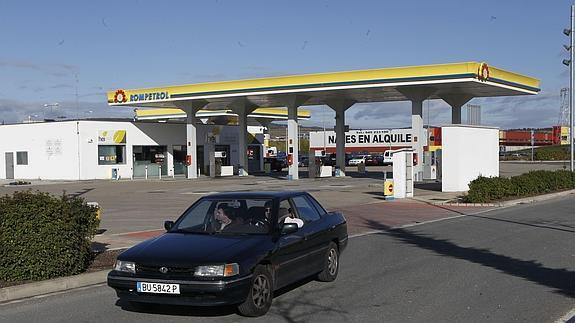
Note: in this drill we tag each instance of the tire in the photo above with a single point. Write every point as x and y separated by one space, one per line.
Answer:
331 264
261 294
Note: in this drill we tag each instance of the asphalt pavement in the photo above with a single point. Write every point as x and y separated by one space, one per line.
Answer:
511 264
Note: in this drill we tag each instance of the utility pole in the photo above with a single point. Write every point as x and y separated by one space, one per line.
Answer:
572 59
532 142
570 62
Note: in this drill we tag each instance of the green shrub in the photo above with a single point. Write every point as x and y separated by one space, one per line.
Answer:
551 153
488 189
43 237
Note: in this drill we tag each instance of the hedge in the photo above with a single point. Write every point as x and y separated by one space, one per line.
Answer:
42 236
489 189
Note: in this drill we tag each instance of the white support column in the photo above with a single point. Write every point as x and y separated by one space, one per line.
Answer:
191 108
243 142
418 136
340 106
293 142
456 101
292 103
417 95
242 108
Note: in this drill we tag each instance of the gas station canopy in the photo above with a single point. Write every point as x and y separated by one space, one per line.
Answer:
455 84
259 113
374 85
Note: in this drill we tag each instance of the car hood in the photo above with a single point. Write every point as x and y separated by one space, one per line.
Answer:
184 249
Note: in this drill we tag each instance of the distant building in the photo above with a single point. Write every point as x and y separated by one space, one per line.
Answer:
474 114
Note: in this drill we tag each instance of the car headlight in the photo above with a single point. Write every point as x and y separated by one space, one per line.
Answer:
226 270
125 266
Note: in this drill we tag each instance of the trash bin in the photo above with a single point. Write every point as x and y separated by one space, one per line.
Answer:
114 173
96 205
267 168
241 171
361 168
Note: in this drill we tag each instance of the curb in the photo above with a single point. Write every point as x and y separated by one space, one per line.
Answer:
51 286
464 204
537 198
525 200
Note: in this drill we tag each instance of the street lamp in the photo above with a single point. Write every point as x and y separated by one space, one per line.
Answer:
30 116
570 62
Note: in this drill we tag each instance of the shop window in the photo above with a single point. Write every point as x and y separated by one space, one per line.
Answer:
21 158
111 155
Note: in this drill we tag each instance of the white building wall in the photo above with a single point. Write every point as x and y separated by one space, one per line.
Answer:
467 153
68 150
52 150
137 134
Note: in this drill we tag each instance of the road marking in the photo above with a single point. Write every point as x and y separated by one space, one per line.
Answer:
336 186
567 317
53 294
199 193
135 232
418 223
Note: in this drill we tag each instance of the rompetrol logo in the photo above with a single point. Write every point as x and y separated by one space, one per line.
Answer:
120 96
483 72
149 96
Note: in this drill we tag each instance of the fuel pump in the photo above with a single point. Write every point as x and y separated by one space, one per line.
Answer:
219 156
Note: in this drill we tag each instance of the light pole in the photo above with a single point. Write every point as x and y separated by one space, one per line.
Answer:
569 62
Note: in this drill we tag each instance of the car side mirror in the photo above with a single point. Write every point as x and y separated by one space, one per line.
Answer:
289 228
168 225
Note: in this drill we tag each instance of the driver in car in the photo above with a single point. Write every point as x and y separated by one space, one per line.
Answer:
227 219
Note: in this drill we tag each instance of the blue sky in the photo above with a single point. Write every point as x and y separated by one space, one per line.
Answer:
51 49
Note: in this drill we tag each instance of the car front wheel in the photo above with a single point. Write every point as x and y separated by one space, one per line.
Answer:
261 293
331 264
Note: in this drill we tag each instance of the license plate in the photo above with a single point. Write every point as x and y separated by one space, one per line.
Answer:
158 288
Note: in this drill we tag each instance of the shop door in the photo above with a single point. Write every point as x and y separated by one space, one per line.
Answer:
150 161
200 153
254 156
9 165
180 167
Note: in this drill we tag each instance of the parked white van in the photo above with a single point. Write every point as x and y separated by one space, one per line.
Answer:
387 157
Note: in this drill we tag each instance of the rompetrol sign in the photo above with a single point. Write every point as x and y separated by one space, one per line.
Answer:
149 96
120 96
364 138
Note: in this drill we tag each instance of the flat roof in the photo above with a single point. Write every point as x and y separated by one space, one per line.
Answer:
362 86
265 113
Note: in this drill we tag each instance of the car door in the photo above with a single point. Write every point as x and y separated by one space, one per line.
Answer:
290 257
315 235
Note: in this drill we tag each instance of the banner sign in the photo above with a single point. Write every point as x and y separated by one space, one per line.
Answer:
363 138
111 137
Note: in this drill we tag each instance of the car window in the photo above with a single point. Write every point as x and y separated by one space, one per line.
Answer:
226 216
284 211
318 206
305 209
196 215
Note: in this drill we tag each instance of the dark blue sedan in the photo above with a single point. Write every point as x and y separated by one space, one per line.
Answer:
234 248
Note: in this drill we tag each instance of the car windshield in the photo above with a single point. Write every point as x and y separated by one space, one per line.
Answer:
226 216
